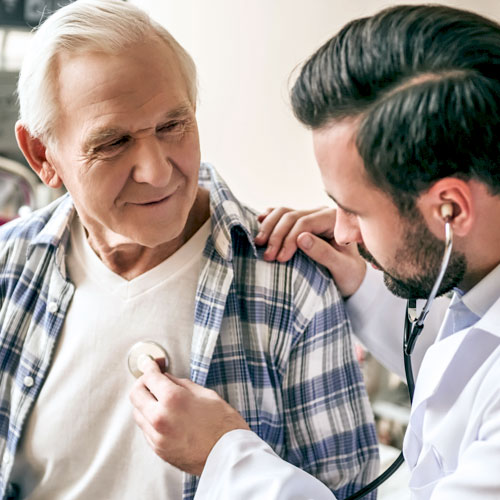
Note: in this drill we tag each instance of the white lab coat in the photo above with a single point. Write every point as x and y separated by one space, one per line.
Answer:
452 445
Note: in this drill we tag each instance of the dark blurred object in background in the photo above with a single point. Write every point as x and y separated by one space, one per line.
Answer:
18 190
27 13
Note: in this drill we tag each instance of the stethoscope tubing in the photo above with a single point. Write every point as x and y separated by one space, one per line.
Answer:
413 327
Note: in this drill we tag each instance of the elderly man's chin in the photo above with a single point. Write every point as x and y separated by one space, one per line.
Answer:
149 234
157 235
154 230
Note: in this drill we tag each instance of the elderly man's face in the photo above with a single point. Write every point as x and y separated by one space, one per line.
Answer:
127 146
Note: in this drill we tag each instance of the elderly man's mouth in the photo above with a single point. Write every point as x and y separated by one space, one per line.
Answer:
153 202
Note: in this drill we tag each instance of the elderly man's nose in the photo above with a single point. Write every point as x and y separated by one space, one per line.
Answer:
152 165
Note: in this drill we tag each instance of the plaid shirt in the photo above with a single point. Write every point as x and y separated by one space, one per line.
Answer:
272 339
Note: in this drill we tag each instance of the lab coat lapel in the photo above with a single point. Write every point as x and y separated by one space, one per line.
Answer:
444 355
446 368
436 361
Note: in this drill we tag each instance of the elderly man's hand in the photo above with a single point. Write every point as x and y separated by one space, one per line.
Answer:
181 420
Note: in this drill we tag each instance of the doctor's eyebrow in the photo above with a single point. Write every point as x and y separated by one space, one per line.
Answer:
101 135
342 207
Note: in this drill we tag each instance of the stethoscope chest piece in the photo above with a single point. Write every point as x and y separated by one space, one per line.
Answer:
143 350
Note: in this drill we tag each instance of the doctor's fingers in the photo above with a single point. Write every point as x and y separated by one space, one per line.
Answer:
268 222
282 229
345 264
159 418
152 436
161 385
174 446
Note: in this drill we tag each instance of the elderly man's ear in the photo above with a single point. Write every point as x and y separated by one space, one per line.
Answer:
35 153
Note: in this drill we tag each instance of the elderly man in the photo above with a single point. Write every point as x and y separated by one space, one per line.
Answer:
147 247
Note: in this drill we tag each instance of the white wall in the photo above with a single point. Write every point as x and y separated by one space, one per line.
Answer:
245 51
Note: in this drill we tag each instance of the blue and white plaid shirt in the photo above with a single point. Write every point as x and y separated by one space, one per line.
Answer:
272 339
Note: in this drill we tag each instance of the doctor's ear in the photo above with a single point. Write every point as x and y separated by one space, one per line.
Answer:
35 152
451 200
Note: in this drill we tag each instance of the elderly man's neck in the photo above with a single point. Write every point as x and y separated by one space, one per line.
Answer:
130 260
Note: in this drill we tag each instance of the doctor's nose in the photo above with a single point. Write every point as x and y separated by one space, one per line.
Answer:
346 228
151 164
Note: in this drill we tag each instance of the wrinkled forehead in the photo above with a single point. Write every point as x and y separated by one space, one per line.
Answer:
112 88
151 56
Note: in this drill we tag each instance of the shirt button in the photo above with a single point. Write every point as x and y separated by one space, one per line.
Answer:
28 381
6 459
52 307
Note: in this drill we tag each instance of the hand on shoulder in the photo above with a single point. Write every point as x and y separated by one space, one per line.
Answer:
284 231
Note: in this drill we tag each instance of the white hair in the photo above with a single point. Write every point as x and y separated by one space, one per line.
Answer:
108 26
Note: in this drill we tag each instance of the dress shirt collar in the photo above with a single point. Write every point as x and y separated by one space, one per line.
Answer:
467 308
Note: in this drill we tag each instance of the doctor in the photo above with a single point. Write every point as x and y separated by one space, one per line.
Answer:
404 109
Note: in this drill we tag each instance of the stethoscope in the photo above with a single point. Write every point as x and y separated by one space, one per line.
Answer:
412 327
142 351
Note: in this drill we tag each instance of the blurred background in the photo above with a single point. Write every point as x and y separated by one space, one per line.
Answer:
246 54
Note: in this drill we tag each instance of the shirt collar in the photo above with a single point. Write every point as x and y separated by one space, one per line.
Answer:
484 294
228 216
56 219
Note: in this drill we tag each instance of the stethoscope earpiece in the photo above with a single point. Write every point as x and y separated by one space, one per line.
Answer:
446 211
143 350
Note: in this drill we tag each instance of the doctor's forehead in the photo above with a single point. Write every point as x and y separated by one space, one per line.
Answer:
337 155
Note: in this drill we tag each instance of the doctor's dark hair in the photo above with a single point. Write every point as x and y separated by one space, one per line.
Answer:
422 84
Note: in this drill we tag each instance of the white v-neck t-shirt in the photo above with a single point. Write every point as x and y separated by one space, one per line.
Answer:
81 441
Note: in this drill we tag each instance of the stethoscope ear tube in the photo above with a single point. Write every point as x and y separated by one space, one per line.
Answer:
413 327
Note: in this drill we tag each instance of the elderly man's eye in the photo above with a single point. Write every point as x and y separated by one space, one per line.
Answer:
114 144
108 149
172 127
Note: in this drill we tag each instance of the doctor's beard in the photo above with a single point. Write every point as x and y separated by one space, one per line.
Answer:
424 252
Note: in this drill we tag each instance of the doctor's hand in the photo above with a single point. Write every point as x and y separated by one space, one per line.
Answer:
181 420
285 230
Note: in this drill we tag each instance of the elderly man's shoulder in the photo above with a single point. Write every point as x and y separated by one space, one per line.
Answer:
17 234
300 273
